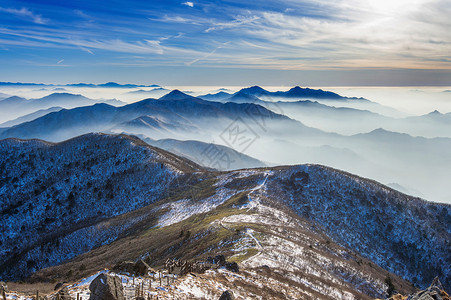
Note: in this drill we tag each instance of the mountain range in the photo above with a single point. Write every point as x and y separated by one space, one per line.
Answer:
241 175
108 84
88 203
258 95
14 107
266 135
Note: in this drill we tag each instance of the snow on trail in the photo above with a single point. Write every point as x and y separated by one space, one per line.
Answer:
249 233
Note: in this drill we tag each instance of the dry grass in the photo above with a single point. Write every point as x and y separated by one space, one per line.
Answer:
192 238
44 288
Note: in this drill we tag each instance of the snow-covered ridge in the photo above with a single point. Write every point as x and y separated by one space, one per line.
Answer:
52 195
91 190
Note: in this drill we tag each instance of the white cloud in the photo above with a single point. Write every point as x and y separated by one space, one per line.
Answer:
60 61
237 22
188 3
178 19
81 13
86 50
25 12
329 35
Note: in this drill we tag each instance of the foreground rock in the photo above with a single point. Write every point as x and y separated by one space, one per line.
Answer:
106 287
226 295
435 291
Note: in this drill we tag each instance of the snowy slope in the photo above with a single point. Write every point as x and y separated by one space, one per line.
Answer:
313 231
53 195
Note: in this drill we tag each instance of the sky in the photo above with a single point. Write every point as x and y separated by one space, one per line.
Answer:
280 42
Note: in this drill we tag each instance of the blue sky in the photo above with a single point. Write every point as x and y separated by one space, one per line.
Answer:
339 42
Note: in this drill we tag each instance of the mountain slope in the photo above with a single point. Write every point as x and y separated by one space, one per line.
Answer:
312 226
14 107
207 154
54 194
30 117
67 123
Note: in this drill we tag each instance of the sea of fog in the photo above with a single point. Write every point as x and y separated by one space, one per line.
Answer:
409 100
409 154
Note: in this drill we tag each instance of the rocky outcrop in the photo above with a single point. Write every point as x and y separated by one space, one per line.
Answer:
434 292
140 268
106 287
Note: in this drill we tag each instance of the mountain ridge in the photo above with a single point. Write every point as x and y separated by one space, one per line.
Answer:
323 197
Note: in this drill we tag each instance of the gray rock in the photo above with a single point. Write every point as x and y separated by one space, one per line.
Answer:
141 268
125 266
226 295
106 287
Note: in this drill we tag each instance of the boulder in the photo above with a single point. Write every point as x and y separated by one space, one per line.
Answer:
141 268
232 266
106 287
226 295
125 266
220 260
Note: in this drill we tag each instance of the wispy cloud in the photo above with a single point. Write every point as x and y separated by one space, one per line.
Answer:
25 12
188 3
60 61
179 19
237 22
116 45
86 50
286 34
81 13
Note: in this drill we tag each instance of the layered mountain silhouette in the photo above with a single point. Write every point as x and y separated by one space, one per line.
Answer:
175 108
258 95
30 117
209 155
265 133
13 107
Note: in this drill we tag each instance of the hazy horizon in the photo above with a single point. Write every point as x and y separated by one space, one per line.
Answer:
412 100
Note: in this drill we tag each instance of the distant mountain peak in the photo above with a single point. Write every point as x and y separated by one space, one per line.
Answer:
62 95
243 95
254 90
435 112
111 83
14 98
216 96
297 91
296 88
176 95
